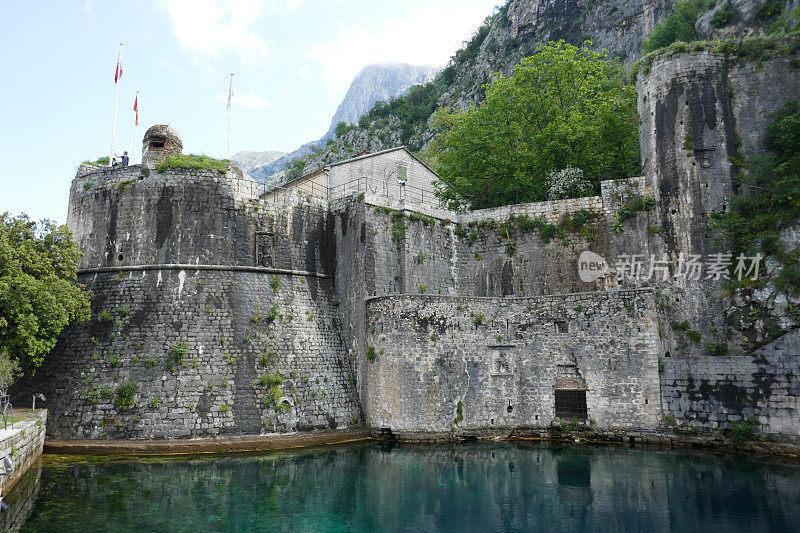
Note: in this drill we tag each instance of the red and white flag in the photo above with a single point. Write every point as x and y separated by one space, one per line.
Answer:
136 108
118 72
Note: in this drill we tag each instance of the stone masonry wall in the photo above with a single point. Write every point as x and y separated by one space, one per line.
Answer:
249 342
430 251
378 174
263 353
502 359
718 392
701 112
24 442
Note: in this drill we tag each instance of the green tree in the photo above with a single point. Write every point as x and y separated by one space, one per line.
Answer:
341 129
38 293
563 107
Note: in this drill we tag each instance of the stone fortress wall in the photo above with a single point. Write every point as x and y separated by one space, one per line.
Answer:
700 113
394 313
219 314
488 363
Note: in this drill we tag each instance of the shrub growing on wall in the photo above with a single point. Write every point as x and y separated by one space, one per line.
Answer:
679 25
770 201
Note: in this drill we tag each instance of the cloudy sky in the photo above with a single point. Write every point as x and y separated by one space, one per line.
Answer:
292 62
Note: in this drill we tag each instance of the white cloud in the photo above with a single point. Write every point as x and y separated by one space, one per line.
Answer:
210 27
427 35
288 5
253 101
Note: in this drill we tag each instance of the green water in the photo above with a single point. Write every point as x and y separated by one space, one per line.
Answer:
374 487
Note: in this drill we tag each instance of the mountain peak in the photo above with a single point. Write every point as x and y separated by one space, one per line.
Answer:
378 82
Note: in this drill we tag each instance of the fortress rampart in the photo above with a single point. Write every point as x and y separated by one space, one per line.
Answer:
218 312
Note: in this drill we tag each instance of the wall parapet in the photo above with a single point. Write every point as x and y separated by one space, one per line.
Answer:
552 210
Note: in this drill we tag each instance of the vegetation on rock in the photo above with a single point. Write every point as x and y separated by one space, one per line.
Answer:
769 202
679 25
99 162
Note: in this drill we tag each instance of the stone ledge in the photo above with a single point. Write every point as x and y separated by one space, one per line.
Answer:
643 437
621 293
248 443
188 266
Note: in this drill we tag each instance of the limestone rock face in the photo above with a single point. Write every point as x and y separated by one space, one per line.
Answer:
376 83
248 160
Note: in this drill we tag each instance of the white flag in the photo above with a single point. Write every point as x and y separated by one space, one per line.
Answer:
230 94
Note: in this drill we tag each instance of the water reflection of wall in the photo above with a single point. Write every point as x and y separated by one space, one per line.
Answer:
21 498
473 487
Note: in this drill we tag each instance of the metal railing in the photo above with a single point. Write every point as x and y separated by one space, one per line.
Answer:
285 195
8 410
388 189
282 193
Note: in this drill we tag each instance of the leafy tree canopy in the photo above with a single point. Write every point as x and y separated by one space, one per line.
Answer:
38 293
563 107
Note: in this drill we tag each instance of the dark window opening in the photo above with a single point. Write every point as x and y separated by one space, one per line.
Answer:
571 404
119 257
157 144
562 326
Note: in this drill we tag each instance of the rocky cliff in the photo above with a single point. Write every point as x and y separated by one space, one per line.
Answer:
514 31
248 161
374 83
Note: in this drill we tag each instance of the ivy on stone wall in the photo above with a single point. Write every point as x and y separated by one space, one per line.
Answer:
767 210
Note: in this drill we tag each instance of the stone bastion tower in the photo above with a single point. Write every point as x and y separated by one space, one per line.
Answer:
210 315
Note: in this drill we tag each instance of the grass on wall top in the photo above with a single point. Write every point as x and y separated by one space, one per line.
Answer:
192 162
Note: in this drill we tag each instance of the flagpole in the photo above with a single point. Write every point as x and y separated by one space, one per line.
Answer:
230 108
116 103
135 127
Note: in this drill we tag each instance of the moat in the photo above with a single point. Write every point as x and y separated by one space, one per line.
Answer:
380 487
